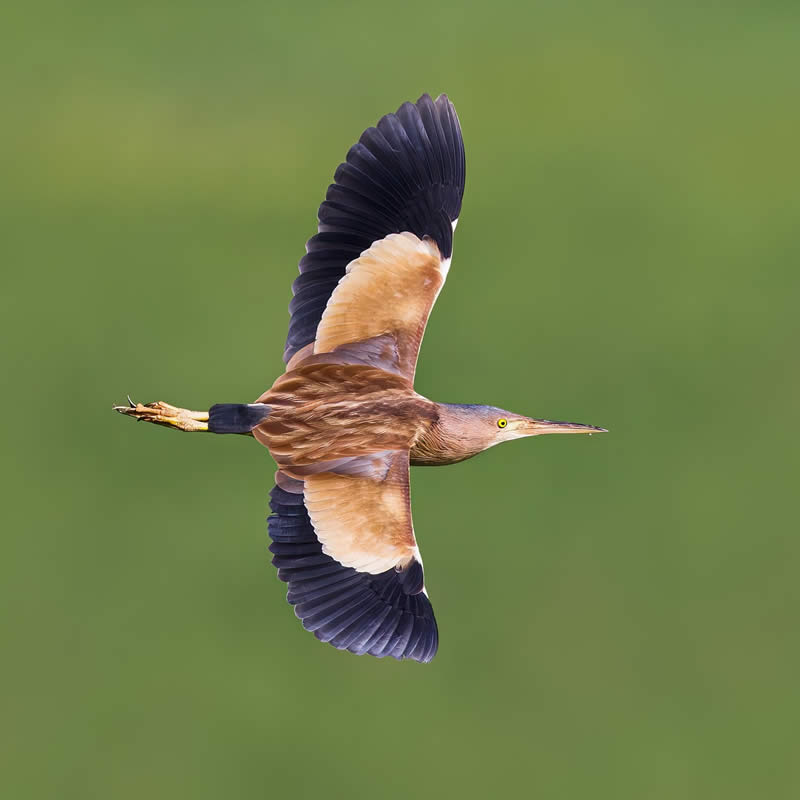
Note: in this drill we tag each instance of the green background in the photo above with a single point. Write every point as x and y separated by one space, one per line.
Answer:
618 615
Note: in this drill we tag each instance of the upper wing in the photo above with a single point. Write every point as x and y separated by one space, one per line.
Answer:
362 516
383 302
373 609
405 175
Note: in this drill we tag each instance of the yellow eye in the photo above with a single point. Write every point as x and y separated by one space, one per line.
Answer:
502 422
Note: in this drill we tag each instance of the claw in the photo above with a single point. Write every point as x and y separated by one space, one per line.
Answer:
164 414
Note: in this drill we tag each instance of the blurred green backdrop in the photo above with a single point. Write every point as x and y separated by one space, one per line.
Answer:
618 615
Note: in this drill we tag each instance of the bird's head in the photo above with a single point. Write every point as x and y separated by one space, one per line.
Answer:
469 429
506 425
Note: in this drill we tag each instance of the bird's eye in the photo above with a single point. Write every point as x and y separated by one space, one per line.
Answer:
502 422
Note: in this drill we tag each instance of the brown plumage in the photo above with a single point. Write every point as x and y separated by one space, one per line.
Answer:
322 412
343 422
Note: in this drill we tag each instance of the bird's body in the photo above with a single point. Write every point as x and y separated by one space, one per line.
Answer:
323 412
344 422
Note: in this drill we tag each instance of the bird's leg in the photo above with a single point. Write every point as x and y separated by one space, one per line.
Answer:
165 414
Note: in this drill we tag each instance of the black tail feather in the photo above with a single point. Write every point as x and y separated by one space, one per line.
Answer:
236 417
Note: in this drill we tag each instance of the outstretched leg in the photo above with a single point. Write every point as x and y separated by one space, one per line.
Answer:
221 418
164 414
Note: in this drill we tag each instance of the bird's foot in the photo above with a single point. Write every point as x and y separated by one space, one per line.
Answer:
164 414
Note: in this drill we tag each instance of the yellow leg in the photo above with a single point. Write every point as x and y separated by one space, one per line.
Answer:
164 414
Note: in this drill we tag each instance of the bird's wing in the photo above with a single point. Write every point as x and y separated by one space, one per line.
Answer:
379 310
338 541
405 175
363 516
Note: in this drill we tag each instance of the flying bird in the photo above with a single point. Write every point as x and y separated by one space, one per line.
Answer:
343 422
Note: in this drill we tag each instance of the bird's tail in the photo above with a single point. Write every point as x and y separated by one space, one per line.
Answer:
236 417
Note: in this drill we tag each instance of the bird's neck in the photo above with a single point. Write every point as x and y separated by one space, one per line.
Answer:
450 437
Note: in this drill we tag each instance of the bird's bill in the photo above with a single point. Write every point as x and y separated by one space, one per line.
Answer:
536 427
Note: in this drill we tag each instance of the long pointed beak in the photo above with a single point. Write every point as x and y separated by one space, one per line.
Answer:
536 427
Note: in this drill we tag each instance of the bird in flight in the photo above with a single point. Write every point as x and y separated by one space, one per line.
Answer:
343 422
